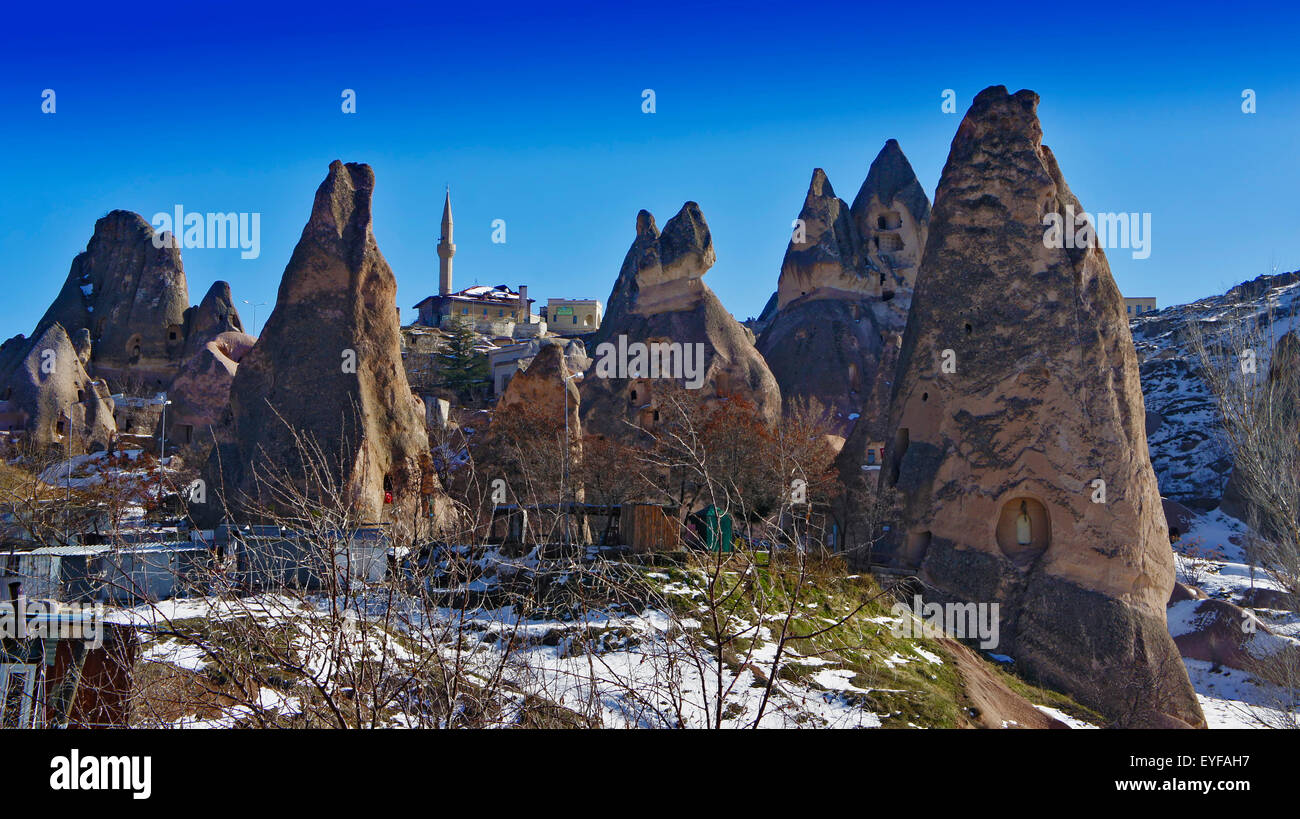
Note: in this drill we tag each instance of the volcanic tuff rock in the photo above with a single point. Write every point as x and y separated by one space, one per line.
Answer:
327 366
996 460
891 214
215 315
660 297
543 385
49 387
824 343
824 258
124 307
828 352
200 393
131 296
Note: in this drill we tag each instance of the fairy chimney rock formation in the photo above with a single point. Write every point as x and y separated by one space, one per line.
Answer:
200 393
823 259
215 315
891 214
661 301
326 369
543 385
128 291
1019 454
823 343
49 395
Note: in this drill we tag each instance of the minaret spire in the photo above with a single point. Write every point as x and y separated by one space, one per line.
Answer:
445 248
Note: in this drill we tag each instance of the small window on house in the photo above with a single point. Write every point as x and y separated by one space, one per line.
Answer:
500 313
575 319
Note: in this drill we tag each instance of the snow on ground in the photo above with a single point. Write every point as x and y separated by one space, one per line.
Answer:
1211 556
1233 699
180 655
1064 717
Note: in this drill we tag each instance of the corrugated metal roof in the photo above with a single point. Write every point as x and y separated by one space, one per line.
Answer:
126 548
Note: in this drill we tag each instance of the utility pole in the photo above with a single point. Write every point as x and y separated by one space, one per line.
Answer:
162 446
255 306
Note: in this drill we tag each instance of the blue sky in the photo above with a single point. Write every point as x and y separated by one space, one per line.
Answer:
532 114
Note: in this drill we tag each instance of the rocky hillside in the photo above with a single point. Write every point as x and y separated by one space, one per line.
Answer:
1191 459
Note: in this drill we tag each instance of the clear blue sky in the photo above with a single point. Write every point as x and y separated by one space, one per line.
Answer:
532 114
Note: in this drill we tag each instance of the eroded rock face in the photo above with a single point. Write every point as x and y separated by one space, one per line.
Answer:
131 298
824 258
543 385
49 395
213 316
1017 391
327 366
200 393
660 298
827 353
824 344
891 214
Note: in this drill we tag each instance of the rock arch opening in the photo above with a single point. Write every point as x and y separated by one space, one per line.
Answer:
1024 529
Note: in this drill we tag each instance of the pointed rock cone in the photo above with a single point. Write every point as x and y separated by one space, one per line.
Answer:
1019 452
660 298
824 345
128 289
215 315
327 370
823 259
892 215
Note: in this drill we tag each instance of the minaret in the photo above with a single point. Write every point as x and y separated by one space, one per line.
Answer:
445 249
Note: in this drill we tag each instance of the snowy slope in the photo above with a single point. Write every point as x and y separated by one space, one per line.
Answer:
1191 459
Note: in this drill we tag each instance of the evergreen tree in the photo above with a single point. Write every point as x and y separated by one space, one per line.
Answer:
461 368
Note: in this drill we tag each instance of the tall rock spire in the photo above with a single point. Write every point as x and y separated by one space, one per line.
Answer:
318 403
446 248
892 215
1020 454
